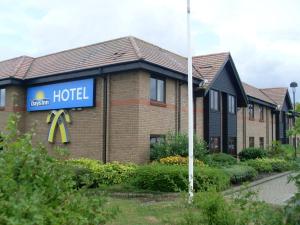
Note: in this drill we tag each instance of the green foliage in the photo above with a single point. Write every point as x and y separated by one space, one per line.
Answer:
278 150
177 144
36 189
252 153
92 173
267 165
173 178
179 160
240 173
292 210
296 129
220 160
213 209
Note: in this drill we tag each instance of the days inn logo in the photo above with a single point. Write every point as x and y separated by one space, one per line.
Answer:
39 100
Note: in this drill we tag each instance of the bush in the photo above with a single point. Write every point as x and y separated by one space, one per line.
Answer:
179 160
252 153
93 173
278 150
212 208
36 189
177 144
220 160
267 165
174 178
240 173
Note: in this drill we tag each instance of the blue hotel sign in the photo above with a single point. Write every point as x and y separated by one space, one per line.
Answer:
73 94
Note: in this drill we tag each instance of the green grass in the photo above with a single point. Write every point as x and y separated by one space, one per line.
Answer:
139 212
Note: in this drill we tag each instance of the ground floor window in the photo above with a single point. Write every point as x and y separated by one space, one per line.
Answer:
214 144
232 145
251 142
156 138
262 142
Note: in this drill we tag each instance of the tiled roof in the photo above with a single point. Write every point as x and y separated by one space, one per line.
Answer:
126 49
276 94
210 65
257 93
16 67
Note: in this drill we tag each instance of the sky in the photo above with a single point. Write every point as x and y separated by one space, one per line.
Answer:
263 36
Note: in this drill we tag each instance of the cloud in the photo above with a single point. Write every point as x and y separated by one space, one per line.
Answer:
263 36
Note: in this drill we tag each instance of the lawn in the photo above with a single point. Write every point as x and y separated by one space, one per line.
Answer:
144 212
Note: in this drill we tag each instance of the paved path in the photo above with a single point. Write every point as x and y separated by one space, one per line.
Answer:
275 191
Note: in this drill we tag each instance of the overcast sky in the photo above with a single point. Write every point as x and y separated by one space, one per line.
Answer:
263 36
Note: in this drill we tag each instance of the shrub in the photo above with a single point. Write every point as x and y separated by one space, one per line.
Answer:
278 150
252 153
179 160
173 178
267 165
177 144
35 189
240 173
220 159
212 208
93 173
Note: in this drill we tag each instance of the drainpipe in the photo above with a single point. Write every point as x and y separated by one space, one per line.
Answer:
106 107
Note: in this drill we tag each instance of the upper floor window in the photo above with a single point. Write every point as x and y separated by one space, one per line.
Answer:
158 89
251 111
261 113
214 100
231 104
2 97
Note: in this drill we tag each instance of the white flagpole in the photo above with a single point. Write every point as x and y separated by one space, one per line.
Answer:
190 106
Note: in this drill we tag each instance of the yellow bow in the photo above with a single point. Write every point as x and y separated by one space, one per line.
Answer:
58 117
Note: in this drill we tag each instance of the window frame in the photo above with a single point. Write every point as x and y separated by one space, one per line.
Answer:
214 106
156 78
251 112
261 113
251 142
231 104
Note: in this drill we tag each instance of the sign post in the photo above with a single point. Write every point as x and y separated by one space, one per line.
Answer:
190 107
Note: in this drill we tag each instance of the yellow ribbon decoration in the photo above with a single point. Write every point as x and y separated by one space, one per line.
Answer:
58 118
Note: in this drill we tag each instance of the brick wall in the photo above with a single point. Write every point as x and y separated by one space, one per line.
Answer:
255 128
131 118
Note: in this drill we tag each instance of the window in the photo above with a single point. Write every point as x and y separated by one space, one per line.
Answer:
156 138
214 144
232 145
251 111
261 113
231 104
157 89
251 142
262 142
214 100
2 97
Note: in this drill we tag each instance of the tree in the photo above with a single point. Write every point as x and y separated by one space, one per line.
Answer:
35 188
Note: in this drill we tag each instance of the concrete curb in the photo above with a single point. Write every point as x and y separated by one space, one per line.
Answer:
255 183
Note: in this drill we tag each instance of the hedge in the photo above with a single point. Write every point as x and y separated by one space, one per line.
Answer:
179 160
252 153
174 178
240 173
220 160
92 173
267 165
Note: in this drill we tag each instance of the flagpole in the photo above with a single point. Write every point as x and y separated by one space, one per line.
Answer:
190 106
